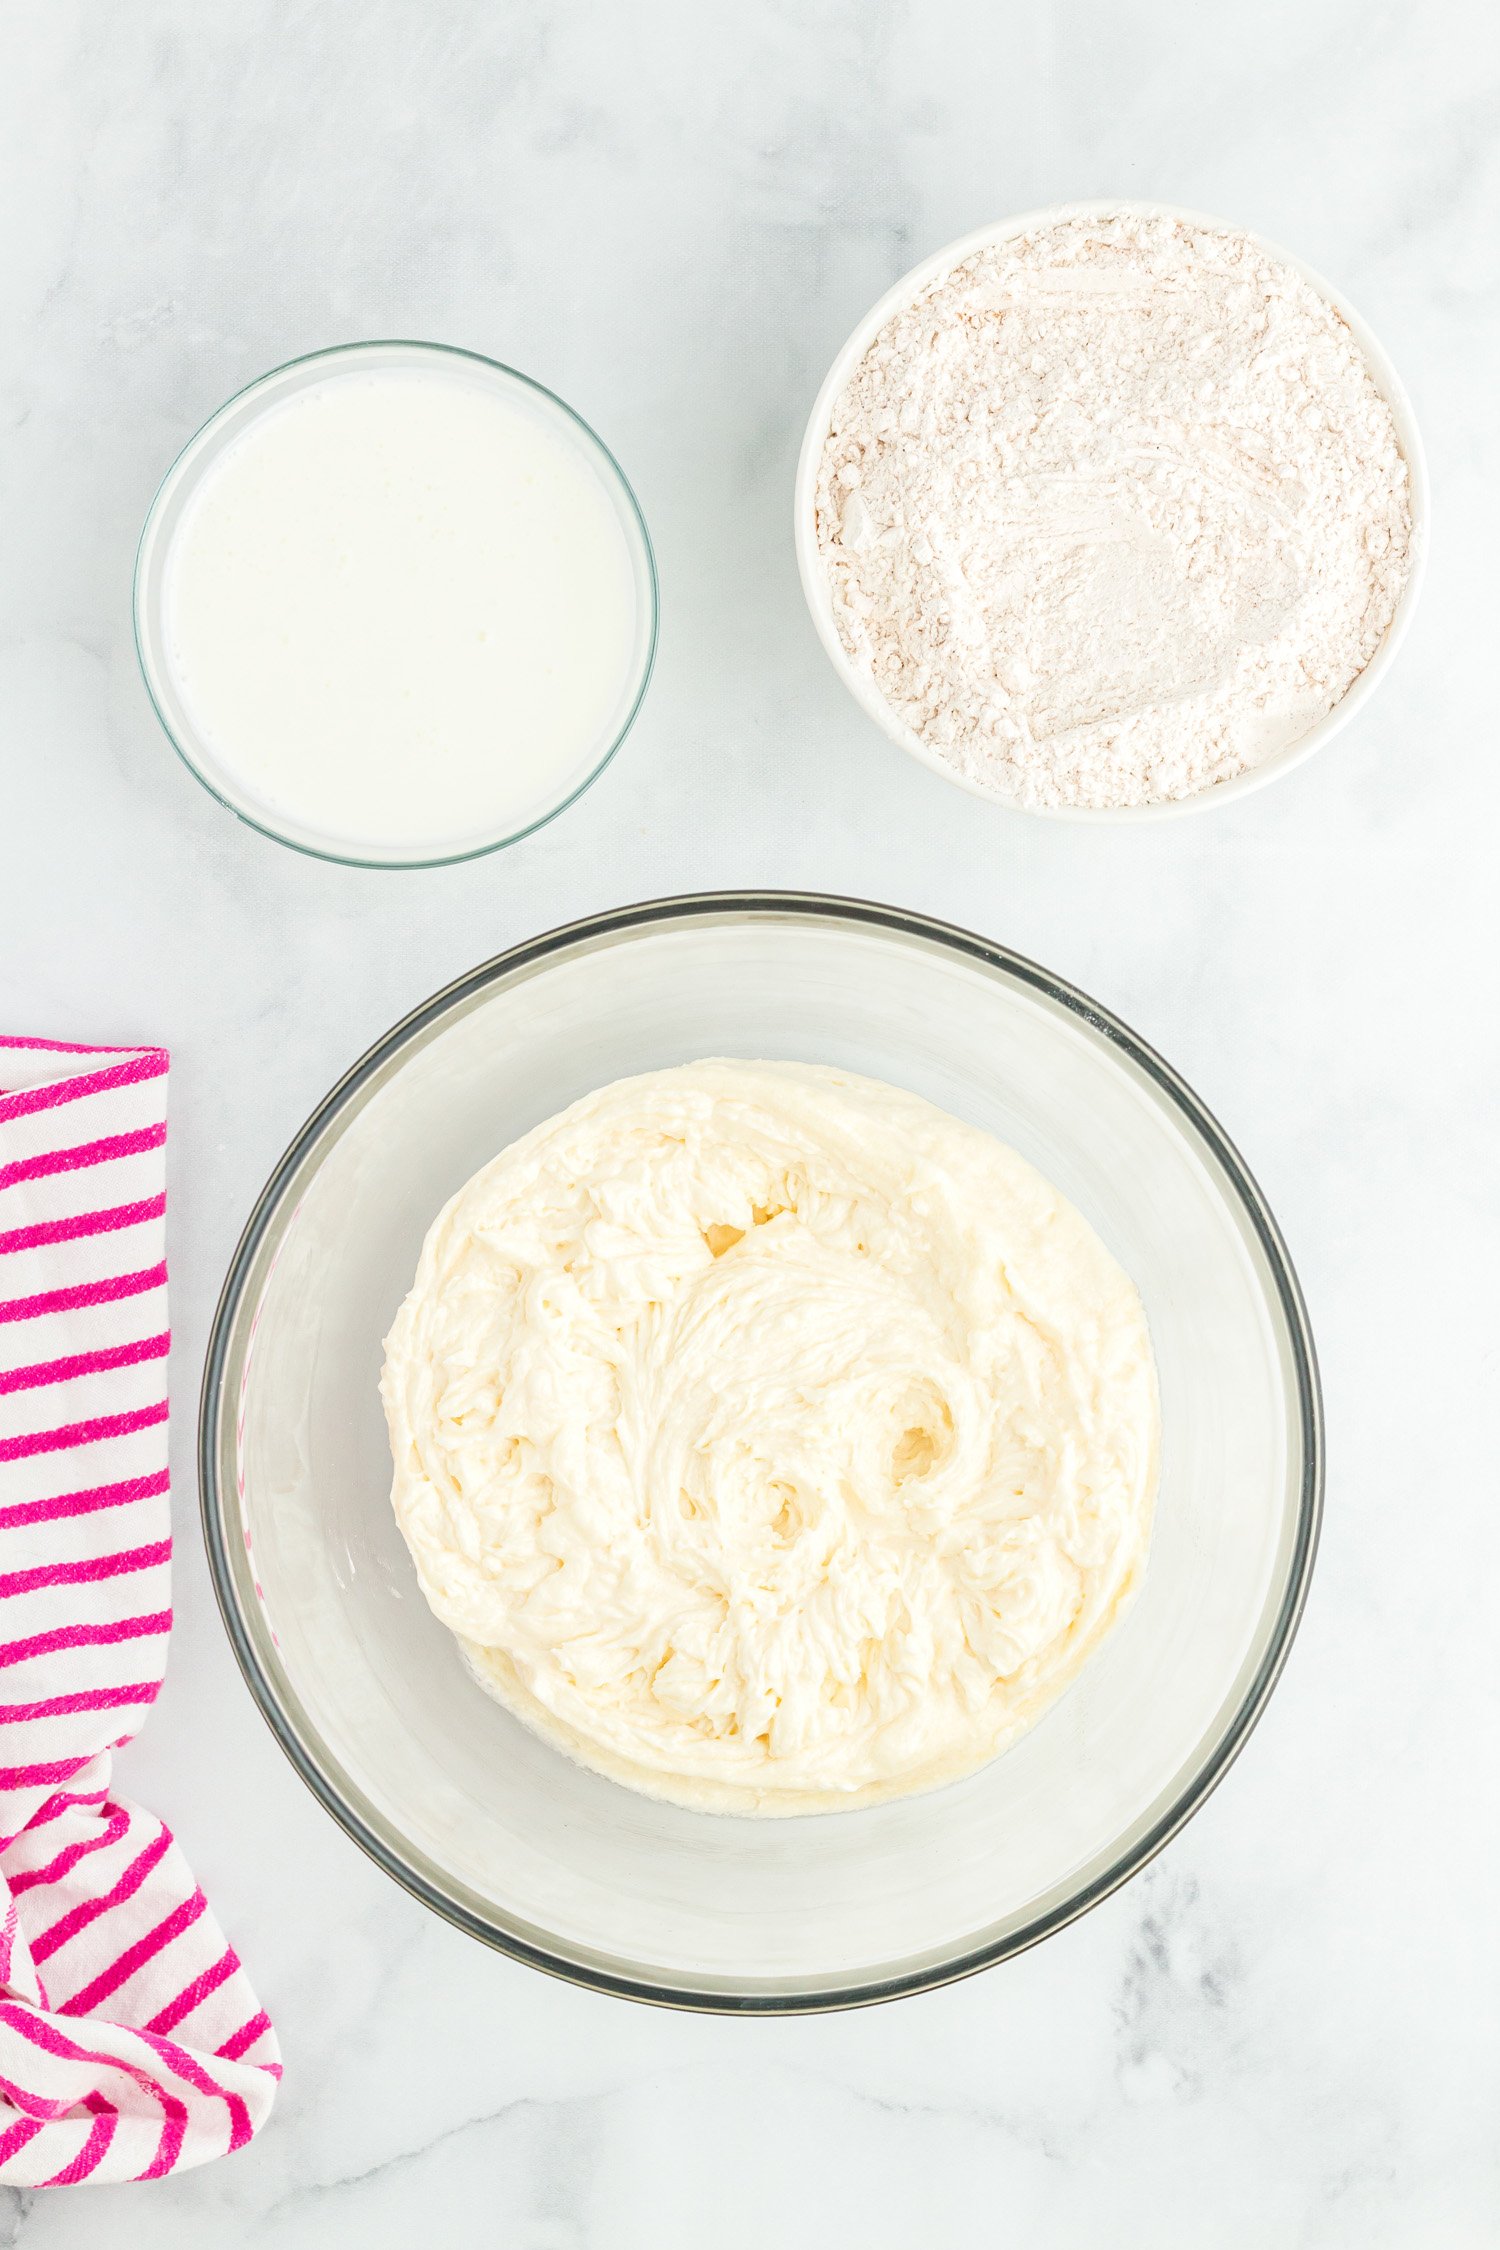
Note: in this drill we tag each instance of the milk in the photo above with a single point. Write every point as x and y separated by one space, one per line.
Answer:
402 612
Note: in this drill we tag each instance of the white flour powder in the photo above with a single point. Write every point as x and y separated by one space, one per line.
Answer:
1112 511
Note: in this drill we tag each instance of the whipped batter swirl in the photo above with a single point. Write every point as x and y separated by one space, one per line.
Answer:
772 1441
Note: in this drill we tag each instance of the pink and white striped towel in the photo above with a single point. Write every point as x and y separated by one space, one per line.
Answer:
131 2044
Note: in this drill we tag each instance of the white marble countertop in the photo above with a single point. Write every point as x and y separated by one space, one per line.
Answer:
1286 2031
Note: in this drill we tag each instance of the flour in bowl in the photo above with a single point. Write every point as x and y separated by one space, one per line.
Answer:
772 1441
1112 511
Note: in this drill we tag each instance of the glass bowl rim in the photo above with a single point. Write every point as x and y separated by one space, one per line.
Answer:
147 635
1304 1401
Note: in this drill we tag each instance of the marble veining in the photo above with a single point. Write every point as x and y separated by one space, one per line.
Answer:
1285 2032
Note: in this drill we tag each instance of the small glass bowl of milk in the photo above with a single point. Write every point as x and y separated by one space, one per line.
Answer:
396 604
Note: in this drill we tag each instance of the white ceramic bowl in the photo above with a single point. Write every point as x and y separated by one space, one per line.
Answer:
815 577
506 1837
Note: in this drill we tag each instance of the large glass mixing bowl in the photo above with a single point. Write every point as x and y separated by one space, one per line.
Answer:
489 1826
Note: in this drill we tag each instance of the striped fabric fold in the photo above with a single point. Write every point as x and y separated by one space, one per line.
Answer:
131 2043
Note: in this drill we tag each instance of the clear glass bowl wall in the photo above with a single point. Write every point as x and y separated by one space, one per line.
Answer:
501 1834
